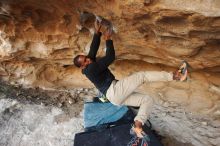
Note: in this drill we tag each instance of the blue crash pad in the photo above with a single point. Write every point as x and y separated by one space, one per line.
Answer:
96 113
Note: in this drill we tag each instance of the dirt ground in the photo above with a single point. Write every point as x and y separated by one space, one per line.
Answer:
66 100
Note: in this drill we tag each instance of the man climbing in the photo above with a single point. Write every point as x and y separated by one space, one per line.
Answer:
121 92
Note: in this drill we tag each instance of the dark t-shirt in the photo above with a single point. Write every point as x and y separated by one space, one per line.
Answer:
97 72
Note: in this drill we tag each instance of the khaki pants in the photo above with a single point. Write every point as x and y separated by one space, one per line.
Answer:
122 92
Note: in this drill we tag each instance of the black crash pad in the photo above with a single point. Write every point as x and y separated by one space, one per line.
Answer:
112 136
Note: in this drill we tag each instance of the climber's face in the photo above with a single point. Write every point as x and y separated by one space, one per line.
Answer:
84 61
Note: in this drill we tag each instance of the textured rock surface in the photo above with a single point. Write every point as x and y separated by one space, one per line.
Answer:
40 117
38 40
37 125
188 112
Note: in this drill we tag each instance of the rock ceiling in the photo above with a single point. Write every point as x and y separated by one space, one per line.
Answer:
39 38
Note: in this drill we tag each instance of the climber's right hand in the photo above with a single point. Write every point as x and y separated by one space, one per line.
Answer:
98 26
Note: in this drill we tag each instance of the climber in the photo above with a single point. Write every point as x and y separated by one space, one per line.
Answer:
121 92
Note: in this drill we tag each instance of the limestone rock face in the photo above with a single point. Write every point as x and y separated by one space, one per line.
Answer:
39 38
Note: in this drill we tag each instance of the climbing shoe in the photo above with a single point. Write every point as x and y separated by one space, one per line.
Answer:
141 134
